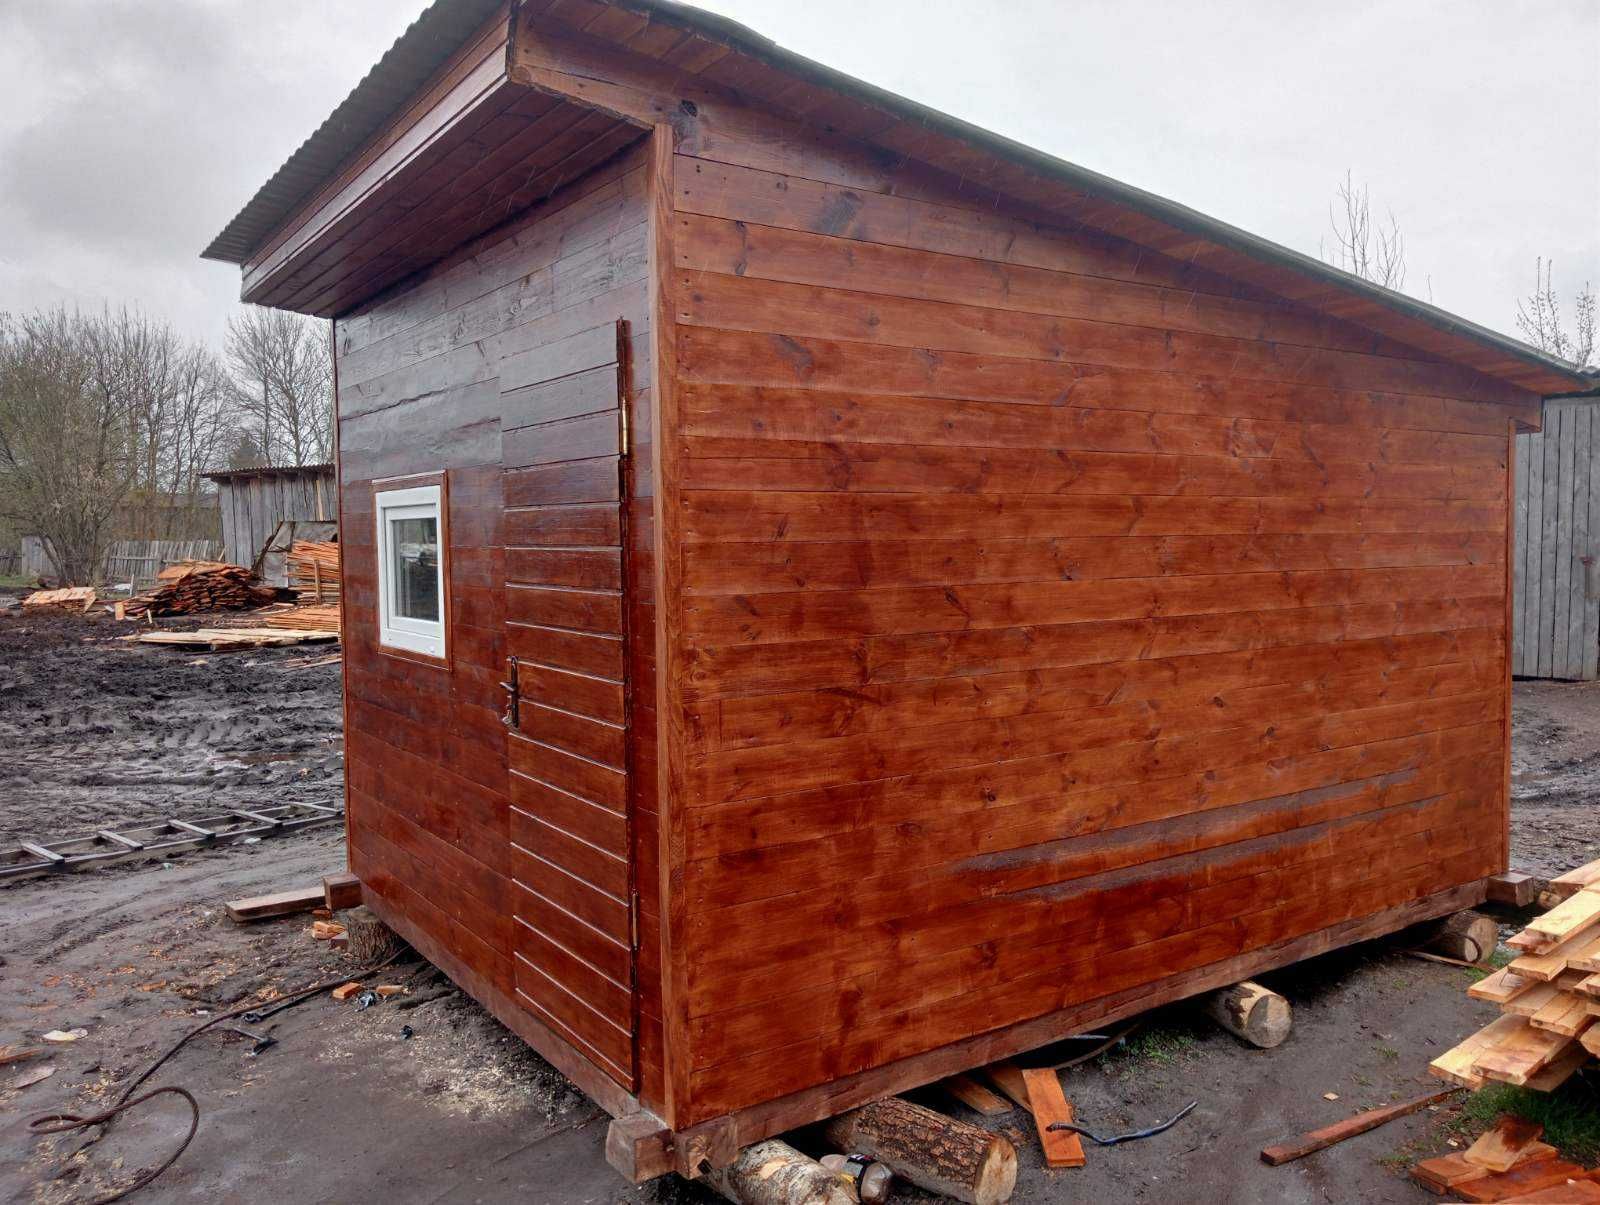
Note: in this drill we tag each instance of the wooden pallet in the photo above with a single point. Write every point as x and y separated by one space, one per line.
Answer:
128 844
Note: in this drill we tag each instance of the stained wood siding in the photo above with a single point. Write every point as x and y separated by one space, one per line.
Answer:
1556 623
443 830
1056 617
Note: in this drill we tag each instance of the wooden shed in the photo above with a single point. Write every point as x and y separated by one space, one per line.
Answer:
255 501
834 597
1555 624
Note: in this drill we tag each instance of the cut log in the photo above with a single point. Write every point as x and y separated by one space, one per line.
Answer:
282 903
1252 1013
369 939
1469 936
774 1173
1321 1140
930 1150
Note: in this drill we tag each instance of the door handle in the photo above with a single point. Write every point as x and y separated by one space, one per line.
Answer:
511 717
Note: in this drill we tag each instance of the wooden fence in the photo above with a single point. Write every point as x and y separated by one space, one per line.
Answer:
135 561
1555 629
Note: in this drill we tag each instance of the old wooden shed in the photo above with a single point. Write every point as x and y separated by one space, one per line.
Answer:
834 597
255 501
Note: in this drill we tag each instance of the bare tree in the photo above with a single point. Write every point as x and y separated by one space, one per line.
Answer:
174 395
1540 321
1369 249
65 450
283 367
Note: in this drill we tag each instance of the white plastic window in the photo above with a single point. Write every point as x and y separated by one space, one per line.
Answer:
410 570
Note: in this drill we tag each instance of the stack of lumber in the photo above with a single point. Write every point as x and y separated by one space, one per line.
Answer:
1549 997
72 598
314 570
313 618
198 586
224 640
1508 1163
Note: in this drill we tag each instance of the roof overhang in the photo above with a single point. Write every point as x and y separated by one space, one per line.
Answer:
707 53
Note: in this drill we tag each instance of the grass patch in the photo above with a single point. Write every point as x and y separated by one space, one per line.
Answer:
1570 1115
1157 1045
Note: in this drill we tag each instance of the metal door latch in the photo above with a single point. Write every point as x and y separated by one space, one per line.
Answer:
512 715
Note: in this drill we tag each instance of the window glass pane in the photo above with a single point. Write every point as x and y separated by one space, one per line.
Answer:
414 545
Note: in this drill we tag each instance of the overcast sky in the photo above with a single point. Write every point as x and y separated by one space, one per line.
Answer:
131 132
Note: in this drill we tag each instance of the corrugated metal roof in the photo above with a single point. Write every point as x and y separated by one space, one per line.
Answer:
402 71
265 469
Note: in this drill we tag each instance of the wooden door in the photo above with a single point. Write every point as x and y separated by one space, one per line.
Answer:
567 703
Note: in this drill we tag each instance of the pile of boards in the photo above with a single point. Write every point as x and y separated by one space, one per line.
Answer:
314 577
1549 997
68 598
1509 1163
193 587
314 570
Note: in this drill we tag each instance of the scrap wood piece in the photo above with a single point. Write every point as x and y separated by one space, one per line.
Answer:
1443 1173
1575 880
1007 1077
34 1076
1048 1104
1350 1127
1502 987
340 891
1505 1144
930 1150
1573 1192
281 903
347 990
1513 888
1252 1013
974 1095
1574 914
1515 1185
19 1054
774 1173
1520 1052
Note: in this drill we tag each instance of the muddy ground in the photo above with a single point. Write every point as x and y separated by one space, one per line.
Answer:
347 1108
134 733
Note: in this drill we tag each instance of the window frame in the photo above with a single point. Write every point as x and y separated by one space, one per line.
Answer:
400 634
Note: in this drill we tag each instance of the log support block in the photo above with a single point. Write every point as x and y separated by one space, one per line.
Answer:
640 1147
370 940
930 1150
1514 889
774 1173
1466 936
1250 1012
340 891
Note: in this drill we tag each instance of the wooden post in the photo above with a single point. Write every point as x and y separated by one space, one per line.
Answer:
774 1173
639 1147
1250 1012
1467 936
929 1149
